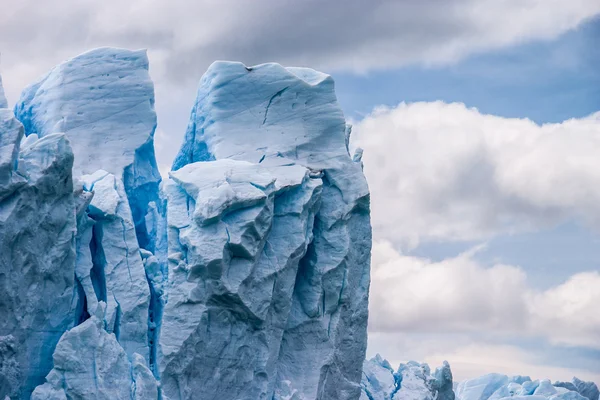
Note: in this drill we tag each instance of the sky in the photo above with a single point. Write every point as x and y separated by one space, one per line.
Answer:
479 124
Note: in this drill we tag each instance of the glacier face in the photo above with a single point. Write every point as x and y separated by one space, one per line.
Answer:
104 100
244 275
37 231
237 232
305 301
89 362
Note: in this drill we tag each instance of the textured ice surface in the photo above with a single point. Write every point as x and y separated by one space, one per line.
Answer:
117 274
288 310
481 388
587 389
89 363
265 221
497 386
37 254
378 381
102 103
103 100
237 232
412 381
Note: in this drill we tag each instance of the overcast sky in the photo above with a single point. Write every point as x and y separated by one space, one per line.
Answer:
481 150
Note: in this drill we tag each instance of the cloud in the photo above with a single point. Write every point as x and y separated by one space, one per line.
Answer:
184 37
474 354
476 359
444 172
458 295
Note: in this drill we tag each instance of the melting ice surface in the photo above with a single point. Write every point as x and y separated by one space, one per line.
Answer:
243 275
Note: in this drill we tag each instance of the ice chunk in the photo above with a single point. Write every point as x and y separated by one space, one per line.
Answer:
11 132
117 273
267 238
378 382
586 389
545 389
90 363
443 383
269 115
412 381
568 395
37 257
481 388
233 259
103 101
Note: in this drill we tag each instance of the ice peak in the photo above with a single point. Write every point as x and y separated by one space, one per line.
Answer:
104 101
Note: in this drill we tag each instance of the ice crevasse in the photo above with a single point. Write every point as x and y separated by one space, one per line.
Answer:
244 274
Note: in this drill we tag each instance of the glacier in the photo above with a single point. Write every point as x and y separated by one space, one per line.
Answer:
414 381
283 301
244 274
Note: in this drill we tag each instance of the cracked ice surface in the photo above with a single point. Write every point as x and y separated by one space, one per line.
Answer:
270 116
265 222
103 101
120 280
412 381
237 232
101 372
37 226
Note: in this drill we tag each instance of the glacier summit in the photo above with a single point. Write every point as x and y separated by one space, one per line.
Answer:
243 275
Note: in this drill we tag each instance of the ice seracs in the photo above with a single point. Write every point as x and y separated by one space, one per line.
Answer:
103 101
237 232
89 363
291 302
413 381
378 381
37 254
102 104
247 277
498 386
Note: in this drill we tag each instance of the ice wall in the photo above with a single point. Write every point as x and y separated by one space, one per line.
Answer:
37 253
296 318
103 101
245 277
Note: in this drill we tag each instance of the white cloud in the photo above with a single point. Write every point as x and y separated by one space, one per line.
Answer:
568 313
446 172
184 37
411 294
